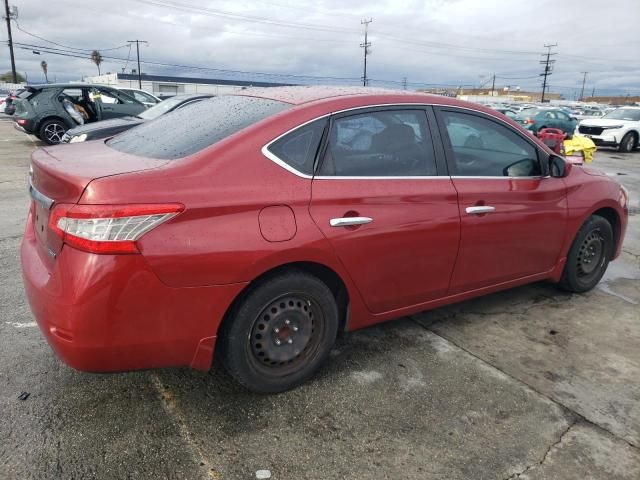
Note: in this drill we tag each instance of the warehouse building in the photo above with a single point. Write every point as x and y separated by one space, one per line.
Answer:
167 86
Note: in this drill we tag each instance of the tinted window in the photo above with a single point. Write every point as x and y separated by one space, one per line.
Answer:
188 130
298 148
562 116
482 147
376 144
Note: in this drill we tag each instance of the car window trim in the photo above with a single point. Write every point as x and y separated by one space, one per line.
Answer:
446 142
431 121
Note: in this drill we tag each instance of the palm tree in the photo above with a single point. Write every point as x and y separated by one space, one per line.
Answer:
96 58
44 66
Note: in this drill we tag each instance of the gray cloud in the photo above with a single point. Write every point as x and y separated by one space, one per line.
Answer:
461 42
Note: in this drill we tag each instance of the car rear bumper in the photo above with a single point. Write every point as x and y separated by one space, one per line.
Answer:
26 126
105 313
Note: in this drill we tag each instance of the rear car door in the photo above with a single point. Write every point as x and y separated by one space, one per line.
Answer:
388 209
513 216
551 120
115 104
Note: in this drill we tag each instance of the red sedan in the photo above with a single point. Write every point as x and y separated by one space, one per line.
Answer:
267 221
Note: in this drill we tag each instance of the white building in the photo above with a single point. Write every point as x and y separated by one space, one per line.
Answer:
166 86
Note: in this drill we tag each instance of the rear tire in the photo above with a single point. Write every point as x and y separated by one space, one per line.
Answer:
628 143
51 131
589 255
280 333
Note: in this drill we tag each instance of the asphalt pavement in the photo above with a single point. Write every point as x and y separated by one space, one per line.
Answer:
530 383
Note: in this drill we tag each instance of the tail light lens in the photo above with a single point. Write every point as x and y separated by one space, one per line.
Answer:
108 228
529 121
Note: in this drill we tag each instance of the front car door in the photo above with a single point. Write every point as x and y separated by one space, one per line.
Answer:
387 208
114 104
513 215
565 123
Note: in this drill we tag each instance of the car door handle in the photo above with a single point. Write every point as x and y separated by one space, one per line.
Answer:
349 221
480 209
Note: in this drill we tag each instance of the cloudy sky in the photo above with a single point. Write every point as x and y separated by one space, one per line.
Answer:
430 42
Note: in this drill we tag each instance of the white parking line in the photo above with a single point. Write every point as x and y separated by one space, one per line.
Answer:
22 325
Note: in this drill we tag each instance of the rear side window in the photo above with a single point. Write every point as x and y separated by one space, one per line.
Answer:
390 143
298 148
188 130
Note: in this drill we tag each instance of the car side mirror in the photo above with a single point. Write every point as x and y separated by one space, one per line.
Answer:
558 166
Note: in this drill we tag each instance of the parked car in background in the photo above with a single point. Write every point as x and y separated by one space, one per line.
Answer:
48 111
619 128
143 97
199 231
108 128
8 105
507 111
537 118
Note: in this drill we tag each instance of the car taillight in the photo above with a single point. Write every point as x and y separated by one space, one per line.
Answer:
529 121
22 121
108 228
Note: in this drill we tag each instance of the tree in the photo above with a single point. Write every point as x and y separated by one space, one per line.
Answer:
96 57
8 77
45 67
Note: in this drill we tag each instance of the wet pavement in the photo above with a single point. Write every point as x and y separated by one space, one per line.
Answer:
530 383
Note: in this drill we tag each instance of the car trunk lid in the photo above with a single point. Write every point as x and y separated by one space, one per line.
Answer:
60 175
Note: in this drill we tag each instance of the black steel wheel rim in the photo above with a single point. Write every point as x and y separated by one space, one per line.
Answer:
286 333
592 255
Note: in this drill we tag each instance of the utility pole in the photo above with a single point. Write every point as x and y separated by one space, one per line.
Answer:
493 84
138 42
404 83
8 17
593 92
548 66
365 45
584 79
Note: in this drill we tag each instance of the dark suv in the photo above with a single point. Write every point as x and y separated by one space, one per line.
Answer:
48 111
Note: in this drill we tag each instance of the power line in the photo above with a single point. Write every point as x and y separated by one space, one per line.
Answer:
65 46
237 16
59 51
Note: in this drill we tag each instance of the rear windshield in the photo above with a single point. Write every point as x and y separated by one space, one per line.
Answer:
190 129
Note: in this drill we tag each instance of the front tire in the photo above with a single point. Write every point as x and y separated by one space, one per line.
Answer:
52 131
280 333
589 255
628 143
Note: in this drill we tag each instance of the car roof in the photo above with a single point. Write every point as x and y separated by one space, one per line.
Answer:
300 95
66 85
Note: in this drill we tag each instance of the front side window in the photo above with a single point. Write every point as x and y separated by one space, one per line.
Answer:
485 148
390 143
298 148
141 96
188 130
